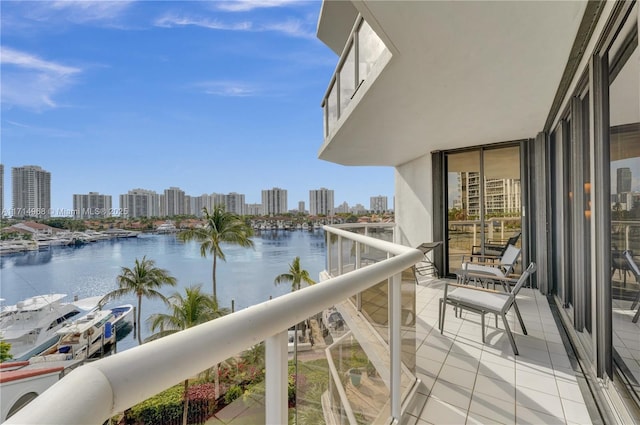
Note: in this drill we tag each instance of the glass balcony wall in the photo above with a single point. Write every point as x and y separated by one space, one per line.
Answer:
361 54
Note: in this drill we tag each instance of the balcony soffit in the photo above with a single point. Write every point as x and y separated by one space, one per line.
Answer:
463 74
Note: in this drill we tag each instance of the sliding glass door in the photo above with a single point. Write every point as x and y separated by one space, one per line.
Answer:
484 201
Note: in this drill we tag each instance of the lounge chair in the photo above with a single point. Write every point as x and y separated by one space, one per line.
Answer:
493 250
501 267
483 301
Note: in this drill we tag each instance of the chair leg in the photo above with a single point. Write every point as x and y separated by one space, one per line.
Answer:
443 310
517 310
635 318
509 334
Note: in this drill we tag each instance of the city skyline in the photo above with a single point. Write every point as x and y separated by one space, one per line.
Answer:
205 96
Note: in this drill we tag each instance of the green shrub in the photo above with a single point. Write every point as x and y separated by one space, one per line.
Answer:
234 392
167 406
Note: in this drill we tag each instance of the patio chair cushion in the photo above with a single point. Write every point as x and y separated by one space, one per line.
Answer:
479 300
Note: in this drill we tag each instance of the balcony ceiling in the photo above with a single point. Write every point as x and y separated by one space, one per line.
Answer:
462 74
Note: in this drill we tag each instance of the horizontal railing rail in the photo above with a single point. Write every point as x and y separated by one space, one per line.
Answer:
94 392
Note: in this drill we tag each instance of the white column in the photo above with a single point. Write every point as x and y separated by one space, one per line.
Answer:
395 344
276 381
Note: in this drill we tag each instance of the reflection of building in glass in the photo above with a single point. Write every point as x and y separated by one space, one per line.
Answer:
501 196
624 180
623 195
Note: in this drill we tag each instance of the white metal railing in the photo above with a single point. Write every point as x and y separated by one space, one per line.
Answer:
94 392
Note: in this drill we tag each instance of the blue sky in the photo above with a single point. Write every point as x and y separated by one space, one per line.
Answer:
209 96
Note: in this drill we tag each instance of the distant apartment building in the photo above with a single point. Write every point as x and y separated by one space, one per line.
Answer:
234 203
31 191
501 196
301 207
141 203
623 180
378 204
187 205
2 212
358 209
342 208
92 205
321 202
173 202
254 209
274 201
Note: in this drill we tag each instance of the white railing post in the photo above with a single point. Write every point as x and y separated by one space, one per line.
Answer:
328 244
276 379
395 344
340 271
358 265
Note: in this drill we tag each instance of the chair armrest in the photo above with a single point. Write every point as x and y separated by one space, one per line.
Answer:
488 263
475 288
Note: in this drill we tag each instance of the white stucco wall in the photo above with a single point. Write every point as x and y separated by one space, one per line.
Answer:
414 202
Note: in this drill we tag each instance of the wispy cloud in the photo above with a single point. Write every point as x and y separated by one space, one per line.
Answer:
248 5
169 21
32 82
81 11
228 88
290 27
41 131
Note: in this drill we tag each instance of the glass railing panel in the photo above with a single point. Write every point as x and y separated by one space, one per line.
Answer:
375 307
360 393
333 254
348 255
332 107
370 47
347 78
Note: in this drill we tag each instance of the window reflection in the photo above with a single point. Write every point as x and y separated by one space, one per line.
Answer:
624 99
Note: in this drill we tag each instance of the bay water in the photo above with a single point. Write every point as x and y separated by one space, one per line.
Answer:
246 276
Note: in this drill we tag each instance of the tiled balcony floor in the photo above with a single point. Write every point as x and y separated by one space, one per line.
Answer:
468 382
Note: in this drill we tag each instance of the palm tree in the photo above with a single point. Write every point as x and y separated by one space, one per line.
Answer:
296 276
220 226
193 309
143 280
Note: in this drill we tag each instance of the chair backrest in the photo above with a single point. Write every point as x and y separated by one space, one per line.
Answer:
513 240
509 258
632 264
519 284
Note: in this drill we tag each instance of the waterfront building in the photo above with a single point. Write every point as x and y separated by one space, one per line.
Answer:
141 203
173 202
31 191
187 205
234 203
301 207
342 208
274 201
378 204
254 209
543 137
92 205
358 209
321 202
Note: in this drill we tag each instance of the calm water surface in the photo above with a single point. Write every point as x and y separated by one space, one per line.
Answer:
247 275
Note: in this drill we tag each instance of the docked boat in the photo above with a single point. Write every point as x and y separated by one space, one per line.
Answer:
30 326
89 336
122 317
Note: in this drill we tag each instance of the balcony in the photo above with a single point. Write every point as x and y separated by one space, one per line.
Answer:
383 359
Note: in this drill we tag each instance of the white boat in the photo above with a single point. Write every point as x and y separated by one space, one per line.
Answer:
167 227
87 337
30 326
122 316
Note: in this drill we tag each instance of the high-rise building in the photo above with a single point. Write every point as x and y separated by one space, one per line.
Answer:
234 203
321 202
254 209
301 207
173 202
90 206
274 201
342 208
2 212
358 209
31 191
140 203
623 181
378 204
